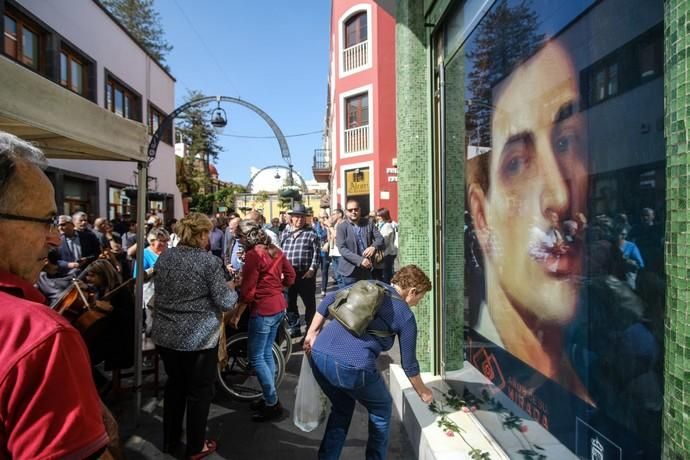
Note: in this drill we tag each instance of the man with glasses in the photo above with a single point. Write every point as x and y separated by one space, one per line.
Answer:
357 239
50 407
77 248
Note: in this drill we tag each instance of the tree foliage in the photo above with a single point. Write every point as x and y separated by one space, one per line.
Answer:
202 148
505 37
142 20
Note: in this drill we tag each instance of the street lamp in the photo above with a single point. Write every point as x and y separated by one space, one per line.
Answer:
219 119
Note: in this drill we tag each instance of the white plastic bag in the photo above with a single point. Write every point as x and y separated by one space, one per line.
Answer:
311 404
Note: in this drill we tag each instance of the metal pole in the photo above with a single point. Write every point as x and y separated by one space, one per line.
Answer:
142 203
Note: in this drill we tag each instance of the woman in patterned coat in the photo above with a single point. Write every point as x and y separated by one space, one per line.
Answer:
191 296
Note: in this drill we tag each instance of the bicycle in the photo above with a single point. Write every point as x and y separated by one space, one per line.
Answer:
237 378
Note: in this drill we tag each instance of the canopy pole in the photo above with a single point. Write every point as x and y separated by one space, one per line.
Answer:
142 196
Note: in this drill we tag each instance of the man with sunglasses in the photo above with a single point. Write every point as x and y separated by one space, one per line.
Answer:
50 407
357 239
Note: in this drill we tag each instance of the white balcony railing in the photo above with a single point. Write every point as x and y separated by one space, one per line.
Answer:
357 139
356 56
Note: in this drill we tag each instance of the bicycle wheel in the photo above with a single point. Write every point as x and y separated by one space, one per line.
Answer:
284 340
237 378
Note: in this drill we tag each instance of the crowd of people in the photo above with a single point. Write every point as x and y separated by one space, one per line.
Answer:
67 284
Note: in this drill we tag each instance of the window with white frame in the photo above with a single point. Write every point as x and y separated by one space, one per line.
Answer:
356 123
356 43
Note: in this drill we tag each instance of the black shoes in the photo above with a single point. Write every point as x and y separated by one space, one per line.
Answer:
268 413
257 405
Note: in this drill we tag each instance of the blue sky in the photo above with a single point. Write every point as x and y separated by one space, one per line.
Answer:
271 53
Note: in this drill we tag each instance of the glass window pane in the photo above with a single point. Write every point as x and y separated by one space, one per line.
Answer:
564 212
63 69
613 80
10 37
29 48
77 75
127 107
109 96
119 102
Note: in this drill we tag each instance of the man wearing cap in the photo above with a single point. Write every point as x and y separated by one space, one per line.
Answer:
50 407
357 239
301 247
77 248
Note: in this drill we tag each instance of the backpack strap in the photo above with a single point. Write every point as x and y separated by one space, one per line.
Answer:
380 333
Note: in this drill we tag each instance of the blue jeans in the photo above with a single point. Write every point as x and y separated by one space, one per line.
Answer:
357 274
325 264
344 385
262 333
335 261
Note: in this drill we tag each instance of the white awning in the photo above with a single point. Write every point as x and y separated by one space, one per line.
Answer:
62 123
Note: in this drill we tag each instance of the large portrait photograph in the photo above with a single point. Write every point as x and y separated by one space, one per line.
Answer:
564 212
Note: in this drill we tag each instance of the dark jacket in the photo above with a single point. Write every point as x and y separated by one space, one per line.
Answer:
345 240
90 247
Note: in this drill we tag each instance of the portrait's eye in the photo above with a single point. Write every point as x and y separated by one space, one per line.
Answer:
515 166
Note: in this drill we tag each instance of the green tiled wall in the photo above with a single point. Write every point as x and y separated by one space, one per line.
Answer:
454 114
414 169
677 324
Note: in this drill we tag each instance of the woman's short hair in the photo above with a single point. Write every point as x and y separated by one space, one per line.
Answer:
105 270
253 233
411 276
157 233
384 214
191 228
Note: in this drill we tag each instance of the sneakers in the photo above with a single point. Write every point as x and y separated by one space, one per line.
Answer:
268 413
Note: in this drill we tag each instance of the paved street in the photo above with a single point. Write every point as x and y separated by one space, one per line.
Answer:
240 438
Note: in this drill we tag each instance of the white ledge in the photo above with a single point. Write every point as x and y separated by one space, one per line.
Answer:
430 441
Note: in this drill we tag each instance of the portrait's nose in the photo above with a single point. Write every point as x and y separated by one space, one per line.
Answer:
555 195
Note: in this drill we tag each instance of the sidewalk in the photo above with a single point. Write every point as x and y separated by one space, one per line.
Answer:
240 438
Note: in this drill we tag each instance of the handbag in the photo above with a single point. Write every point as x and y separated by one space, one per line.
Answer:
377 257
357 305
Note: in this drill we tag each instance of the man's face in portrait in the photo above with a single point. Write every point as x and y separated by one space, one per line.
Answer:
537 172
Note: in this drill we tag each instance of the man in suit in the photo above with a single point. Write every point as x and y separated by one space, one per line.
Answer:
77 248
357 239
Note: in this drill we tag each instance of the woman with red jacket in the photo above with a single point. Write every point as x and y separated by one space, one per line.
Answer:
266 272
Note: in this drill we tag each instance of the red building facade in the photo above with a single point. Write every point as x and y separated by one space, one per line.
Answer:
359 155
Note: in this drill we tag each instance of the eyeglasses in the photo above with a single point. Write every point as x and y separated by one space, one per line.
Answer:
353 210
51 222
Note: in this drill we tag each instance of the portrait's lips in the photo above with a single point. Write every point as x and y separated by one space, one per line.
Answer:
565 266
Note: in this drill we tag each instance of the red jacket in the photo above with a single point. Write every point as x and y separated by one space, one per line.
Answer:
263 280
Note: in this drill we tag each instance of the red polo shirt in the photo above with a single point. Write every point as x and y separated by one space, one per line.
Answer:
263 279
49 407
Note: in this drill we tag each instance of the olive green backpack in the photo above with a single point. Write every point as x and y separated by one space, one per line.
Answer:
357 305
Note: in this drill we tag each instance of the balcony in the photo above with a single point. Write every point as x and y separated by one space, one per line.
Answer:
357 139
322 165
356 56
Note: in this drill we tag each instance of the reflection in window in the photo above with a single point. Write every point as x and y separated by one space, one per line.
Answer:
119 102
356 29
29 48
76 74
10 37
357 111
64 71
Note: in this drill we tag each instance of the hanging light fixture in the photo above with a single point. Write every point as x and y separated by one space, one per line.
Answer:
277 176
219 119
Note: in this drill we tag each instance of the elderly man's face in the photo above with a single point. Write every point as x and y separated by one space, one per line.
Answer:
67 228
537 172
24 245
80 223
232 225
298 220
